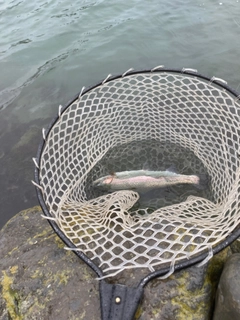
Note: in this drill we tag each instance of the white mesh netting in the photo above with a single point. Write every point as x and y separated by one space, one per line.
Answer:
156 119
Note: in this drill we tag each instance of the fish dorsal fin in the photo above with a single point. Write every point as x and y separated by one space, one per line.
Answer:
145 166
172 169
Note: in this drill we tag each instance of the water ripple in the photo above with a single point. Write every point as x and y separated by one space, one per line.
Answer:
8 95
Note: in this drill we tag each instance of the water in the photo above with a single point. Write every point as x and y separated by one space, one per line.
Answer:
50 49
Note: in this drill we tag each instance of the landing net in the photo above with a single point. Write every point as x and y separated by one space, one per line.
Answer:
154 118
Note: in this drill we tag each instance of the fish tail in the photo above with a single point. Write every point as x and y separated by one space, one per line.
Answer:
203 181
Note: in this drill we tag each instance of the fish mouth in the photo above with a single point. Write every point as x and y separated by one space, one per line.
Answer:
99 184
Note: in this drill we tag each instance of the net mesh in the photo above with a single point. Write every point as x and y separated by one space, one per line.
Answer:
153 119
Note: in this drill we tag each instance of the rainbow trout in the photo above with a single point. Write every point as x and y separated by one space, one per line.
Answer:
144 180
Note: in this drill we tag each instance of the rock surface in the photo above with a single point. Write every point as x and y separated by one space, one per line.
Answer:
40 280
228 292
235 246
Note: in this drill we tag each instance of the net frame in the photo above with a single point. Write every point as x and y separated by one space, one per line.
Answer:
162 271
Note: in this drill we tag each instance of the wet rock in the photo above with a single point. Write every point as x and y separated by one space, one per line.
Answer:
228 292
40 280
235 246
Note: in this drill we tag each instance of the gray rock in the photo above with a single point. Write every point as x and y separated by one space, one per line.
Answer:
235 246
40 280
228 292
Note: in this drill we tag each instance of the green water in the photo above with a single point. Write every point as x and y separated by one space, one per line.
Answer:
50 49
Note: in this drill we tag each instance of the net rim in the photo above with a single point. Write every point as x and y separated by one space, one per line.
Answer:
163 270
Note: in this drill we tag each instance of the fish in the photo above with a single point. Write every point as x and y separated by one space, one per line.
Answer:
143 180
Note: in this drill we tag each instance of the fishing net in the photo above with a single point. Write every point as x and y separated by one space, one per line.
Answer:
155 119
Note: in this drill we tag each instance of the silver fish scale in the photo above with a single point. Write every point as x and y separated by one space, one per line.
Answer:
151 120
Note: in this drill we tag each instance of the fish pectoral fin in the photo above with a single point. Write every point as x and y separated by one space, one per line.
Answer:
158 177
161 177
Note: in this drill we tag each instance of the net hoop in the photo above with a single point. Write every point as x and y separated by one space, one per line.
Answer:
219 83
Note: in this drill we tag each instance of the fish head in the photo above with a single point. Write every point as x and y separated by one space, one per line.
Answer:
103 183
